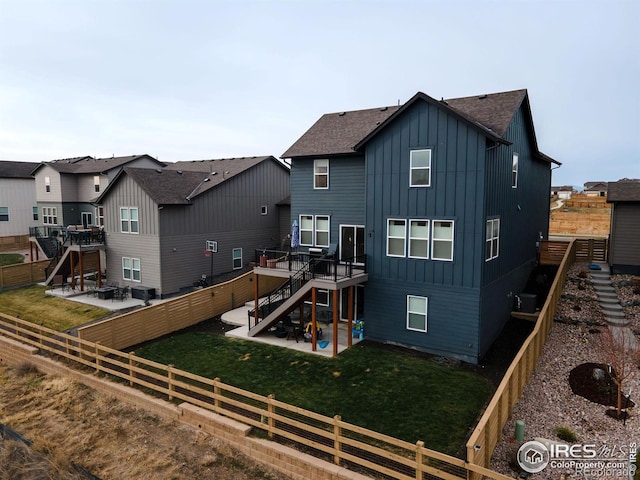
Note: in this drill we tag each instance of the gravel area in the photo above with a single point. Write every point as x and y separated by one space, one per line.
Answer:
548 401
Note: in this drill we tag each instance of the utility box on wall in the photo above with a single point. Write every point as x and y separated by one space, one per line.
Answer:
528 302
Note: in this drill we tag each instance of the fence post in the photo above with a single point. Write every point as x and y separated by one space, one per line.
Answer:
66 344
170 380
97 354
216 394
337 433
132 374
419 456
271 409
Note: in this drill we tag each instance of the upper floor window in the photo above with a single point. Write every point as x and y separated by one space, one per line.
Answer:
99 217
237 258
417 313
514 171
322 231
315 230
442 240
306 230
35 212
49 215
321 174
129 220
47 184
263 210
419 238
96 183
4 214
492 242
420 168
396 237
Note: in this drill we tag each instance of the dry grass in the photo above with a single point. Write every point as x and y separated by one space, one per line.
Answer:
74 427
34 305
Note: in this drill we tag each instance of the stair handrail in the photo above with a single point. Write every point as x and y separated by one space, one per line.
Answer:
279 295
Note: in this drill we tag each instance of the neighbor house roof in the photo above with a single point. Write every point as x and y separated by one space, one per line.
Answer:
346 132
563 188
595 185
9 169
625 190
88 165
180 182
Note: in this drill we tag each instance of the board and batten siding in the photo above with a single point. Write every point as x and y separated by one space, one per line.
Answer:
55 195
19 196
624 248
343 201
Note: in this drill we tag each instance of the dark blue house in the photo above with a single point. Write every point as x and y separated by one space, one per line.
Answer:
446 201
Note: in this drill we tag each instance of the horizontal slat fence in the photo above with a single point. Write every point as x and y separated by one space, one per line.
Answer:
488 432
151 322
22 274
14 242
342 443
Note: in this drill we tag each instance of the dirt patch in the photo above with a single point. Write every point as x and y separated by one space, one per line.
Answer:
594 382
76 430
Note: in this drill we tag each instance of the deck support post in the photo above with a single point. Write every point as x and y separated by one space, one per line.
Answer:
350 317
314 334
335 323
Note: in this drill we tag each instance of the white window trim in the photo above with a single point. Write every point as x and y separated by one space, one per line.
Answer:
493 237
514 171
320 292
409 237
129 220
412 168
99 217
47 184
315 174
263 209
7 214
426 314
96 183
434 239
306 230
316 230
404 237
233 258
49 215
131 269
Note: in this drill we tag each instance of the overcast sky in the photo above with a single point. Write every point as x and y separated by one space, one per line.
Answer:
197 79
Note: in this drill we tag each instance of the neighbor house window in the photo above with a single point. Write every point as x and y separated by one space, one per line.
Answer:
419 238
96 183
4 214
420 166
35 212
49 215
322 231
492 239
47 184
321 174
99 217
263 210
237 258
442 240
306 230
129 220
396 237
417 313
322 298
131 269
514 171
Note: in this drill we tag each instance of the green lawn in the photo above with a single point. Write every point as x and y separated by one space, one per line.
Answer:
10 259
34 305
404 396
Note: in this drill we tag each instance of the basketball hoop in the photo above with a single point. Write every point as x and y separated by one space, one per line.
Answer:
207 253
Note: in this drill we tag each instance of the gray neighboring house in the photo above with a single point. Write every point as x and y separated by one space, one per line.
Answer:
595 189
624 239
159 222
18 210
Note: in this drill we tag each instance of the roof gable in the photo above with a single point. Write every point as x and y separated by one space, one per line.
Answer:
89 165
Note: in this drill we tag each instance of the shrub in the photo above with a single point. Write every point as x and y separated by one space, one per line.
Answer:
565 433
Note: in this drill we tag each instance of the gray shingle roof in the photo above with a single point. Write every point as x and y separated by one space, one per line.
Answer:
625 190
9 169
88 164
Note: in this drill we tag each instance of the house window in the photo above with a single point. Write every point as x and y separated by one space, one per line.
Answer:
396 237
492 242
322 231
129 220
322 298
4 214
49 215
321 174
99 217
263 210
35 212
419 238
306 230
47 184
420 166
212 246
417 313
442 241
514 171
131 269
237 258
96 183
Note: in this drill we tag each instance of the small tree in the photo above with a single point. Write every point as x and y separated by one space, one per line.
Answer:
623 354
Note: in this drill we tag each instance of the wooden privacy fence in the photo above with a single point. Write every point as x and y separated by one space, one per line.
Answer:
586 250
329 438
488 432
155 321
22 274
